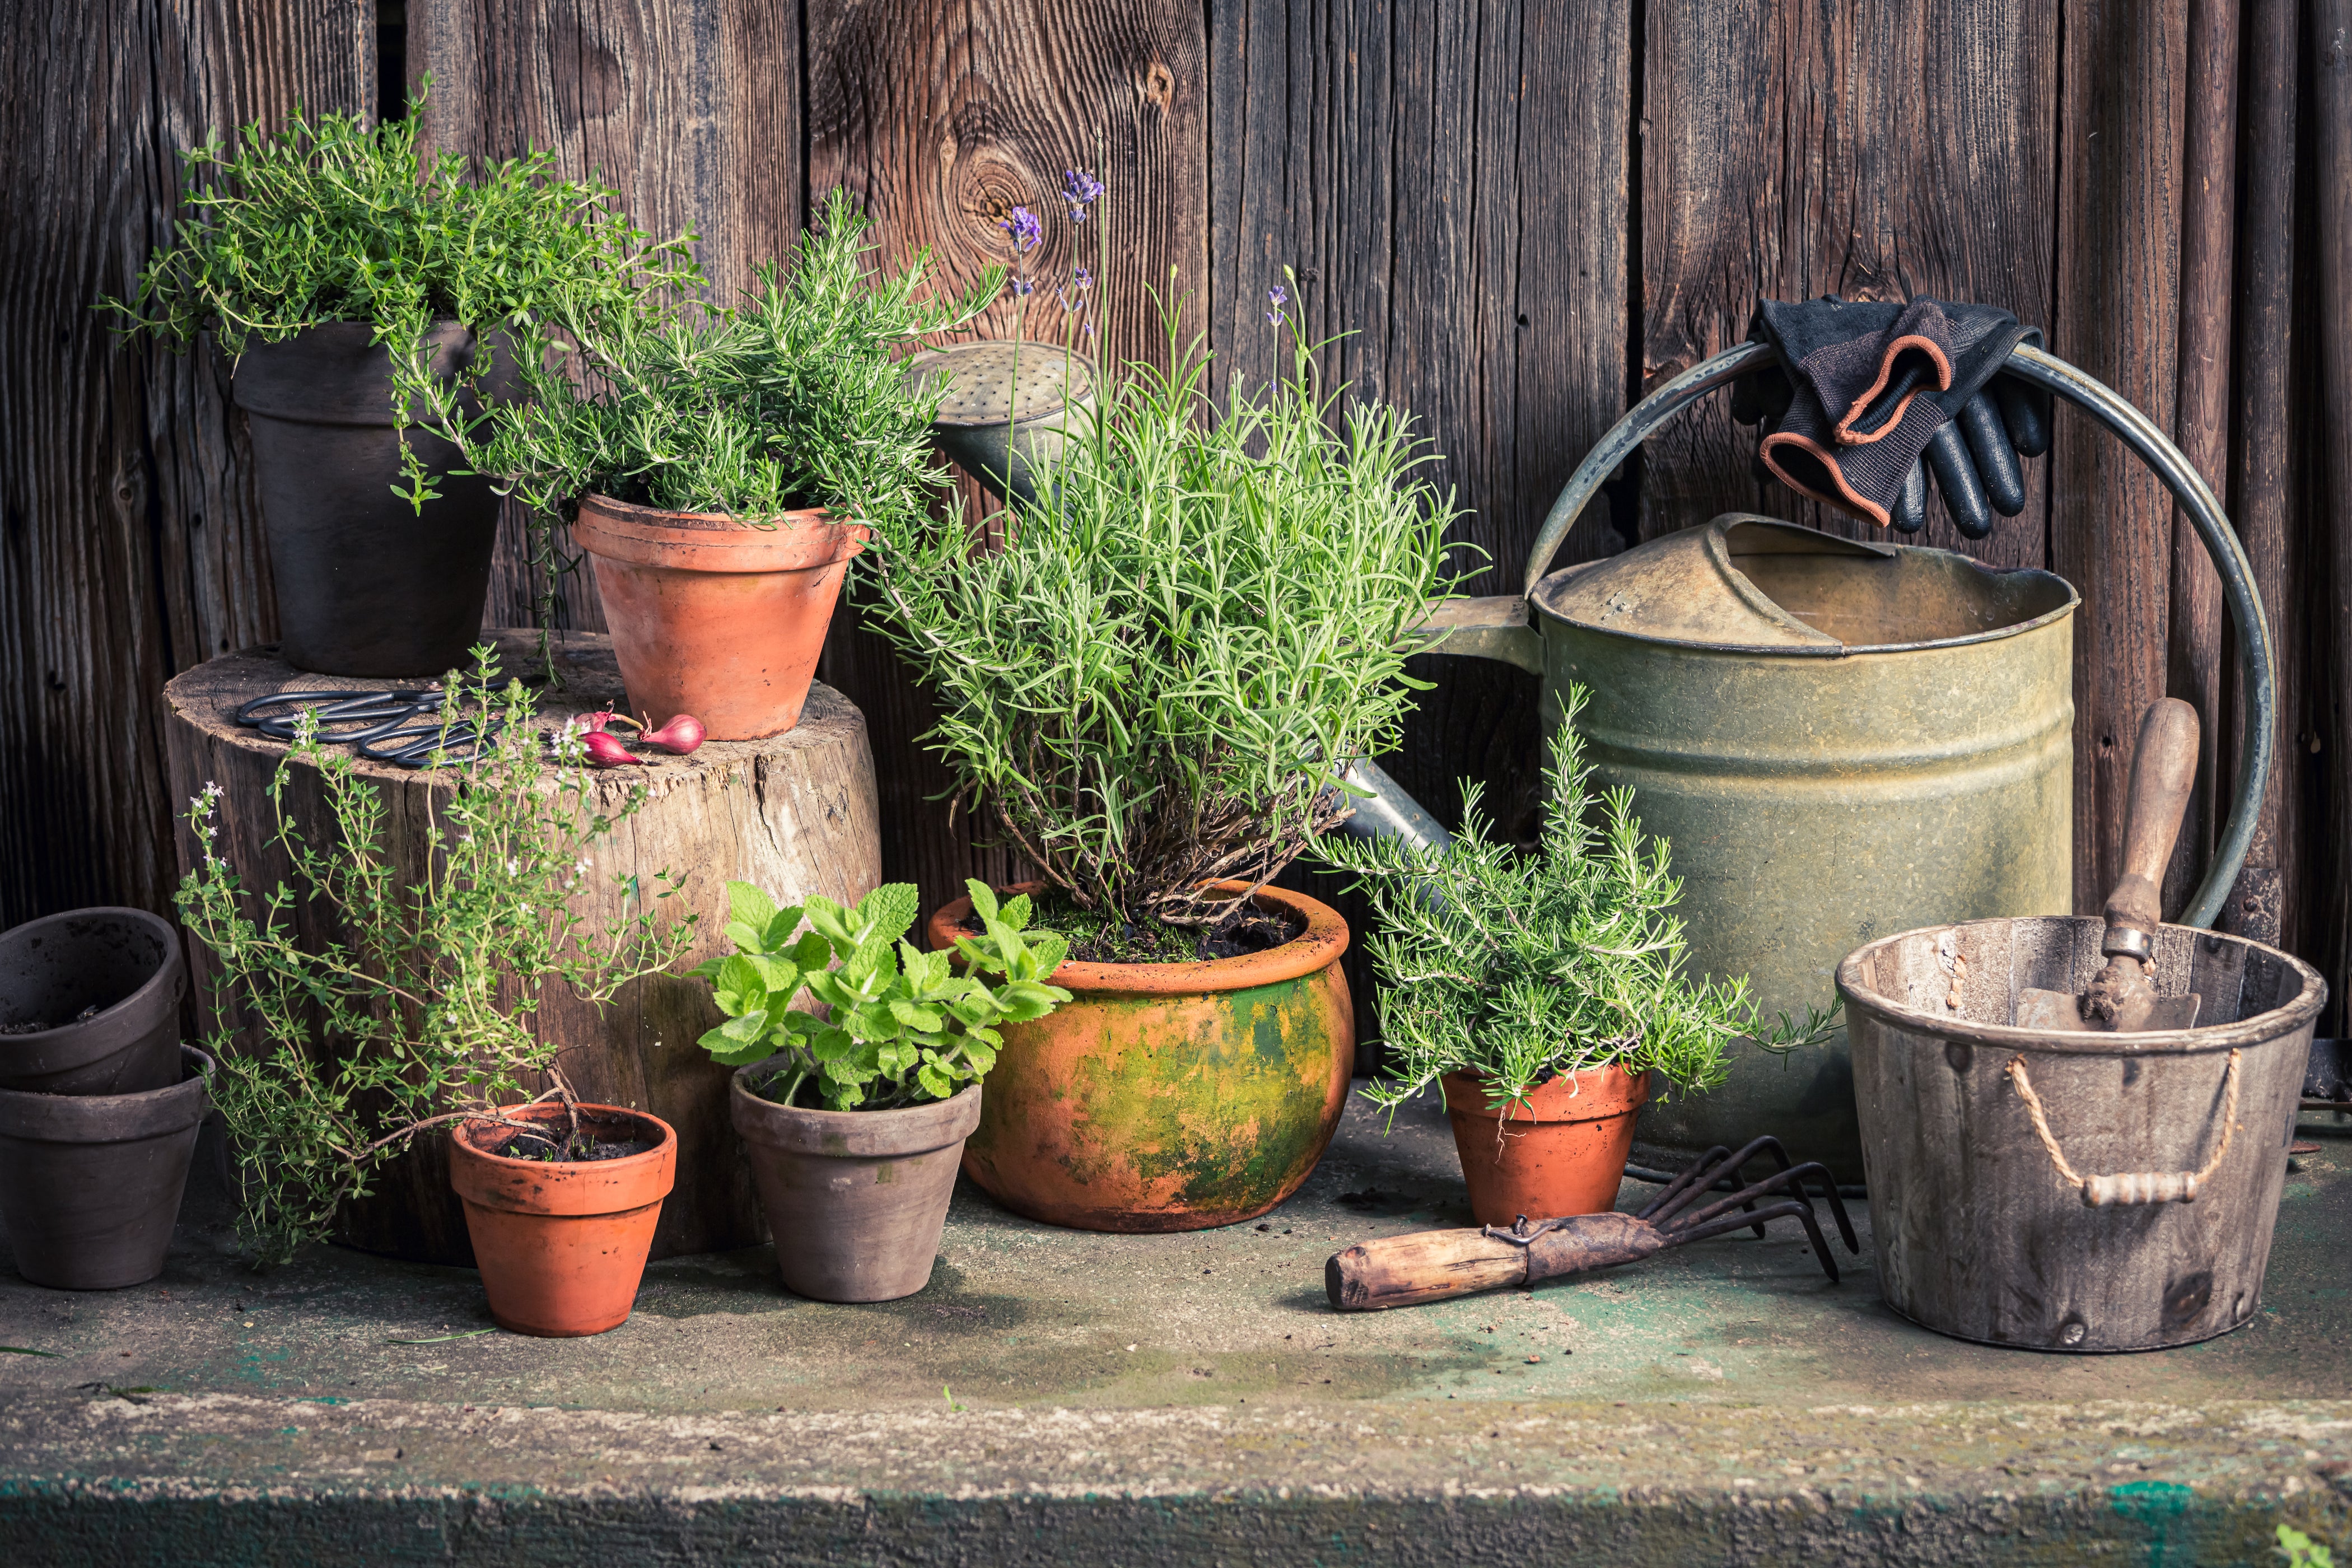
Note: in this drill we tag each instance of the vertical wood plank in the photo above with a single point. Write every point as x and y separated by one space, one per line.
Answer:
1874 151
943 117
2120 128
130 543
690 109
2329 922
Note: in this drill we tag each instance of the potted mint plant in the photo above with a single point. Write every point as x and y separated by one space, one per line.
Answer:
364 292
856 1118
721 466
1544 991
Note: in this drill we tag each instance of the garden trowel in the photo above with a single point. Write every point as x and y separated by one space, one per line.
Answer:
2122 996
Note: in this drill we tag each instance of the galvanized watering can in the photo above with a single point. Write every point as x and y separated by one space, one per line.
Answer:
1841 740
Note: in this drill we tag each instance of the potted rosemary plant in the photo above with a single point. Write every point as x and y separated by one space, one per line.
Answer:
362 290
856 1120
1198 620
1544 991
721 466
375 1010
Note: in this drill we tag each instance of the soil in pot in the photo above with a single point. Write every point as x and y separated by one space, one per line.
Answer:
366 585
90 1003
562 1244
715 618
856 1199
1171 1096
1561 1150
90 1183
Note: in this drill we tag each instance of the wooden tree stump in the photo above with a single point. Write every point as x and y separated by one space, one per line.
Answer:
795 814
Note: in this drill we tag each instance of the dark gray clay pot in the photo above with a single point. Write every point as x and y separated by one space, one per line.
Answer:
366 585
856 1199
90 1183
125 961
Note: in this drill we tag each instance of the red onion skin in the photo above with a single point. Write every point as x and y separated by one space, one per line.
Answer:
680 736
606 750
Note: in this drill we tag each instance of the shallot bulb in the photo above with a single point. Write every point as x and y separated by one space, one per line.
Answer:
606 750
681 735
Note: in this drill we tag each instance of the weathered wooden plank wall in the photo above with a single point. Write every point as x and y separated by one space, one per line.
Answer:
1524 213
130 546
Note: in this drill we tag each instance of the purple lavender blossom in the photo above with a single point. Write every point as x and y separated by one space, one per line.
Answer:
1081 190
1025 229
1277 296
1023 286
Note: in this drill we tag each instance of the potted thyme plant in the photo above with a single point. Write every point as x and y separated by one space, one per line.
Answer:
1545 991
721 466
360 287
1193 625
856 1120
412 1008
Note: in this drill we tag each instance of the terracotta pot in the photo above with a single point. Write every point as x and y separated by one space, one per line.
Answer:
366 585
90 1183
1169 1095
1561 1150
712 617
124 961
856 1199
563 1244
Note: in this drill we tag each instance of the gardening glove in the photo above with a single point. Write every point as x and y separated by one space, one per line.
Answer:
1870 396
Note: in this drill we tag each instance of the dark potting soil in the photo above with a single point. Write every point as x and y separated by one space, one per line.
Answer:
578 1149
37 1026
1096 938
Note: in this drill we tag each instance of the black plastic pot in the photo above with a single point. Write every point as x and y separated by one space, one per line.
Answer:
90 1183
366 585
124 963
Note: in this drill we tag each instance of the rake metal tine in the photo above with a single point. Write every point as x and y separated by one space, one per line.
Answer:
1695 1178
1767 1144
1828 1182
1778 1181
1788 1208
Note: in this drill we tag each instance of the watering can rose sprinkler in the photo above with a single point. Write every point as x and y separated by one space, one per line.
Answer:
1840 740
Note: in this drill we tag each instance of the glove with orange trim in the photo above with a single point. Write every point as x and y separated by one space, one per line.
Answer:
1870 395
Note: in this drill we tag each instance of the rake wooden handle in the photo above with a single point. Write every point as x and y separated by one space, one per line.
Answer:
2164 769
1427 1266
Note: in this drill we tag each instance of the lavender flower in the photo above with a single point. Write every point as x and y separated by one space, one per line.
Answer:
1024 288
1081 190
1277 296
1025 229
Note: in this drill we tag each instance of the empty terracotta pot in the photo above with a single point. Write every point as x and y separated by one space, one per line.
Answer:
90 1183
366 583
1169 1095
1561 1150
712 617
125 962
856 1199
562 1244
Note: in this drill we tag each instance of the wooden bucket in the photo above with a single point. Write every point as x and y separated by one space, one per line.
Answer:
2138 1213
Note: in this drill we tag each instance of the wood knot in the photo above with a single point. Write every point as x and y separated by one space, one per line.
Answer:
1159 86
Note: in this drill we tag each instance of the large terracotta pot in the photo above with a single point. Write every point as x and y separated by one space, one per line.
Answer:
856 1199
712 617
1561 1150
563 1244
366 585
1169 1095
126 964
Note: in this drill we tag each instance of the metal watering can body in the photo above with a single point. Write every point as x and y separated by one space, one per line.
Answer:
1840 741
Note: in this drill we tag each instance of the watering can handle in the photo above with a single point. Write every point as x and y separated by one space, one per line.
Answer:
2136 430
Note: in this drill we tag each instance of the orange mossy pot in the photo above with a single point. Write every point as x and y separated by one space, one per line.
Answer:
563 1244
1169 1095
1561 1150
712 617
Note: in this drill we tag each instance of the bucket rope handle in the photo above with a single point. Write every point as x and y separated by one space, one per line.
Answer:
2131 1187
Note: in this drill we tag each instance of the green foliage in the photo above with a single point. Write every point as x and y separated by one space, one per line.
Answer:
1516 966
901 1026
2300 1551
330 221
1155 681
418 1007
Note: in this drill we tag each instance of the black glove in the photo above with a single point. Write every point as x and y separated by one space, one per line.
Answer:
1869 396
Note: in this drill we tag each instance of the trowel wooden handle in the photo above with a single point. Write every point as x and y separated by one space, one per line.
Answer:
2164 768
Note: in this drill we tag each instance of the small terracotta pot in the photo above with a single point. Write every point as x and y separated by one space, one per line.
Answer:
712 617
563 1244
124 961
1561 1150
856 1199
90 1183
1169 1095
